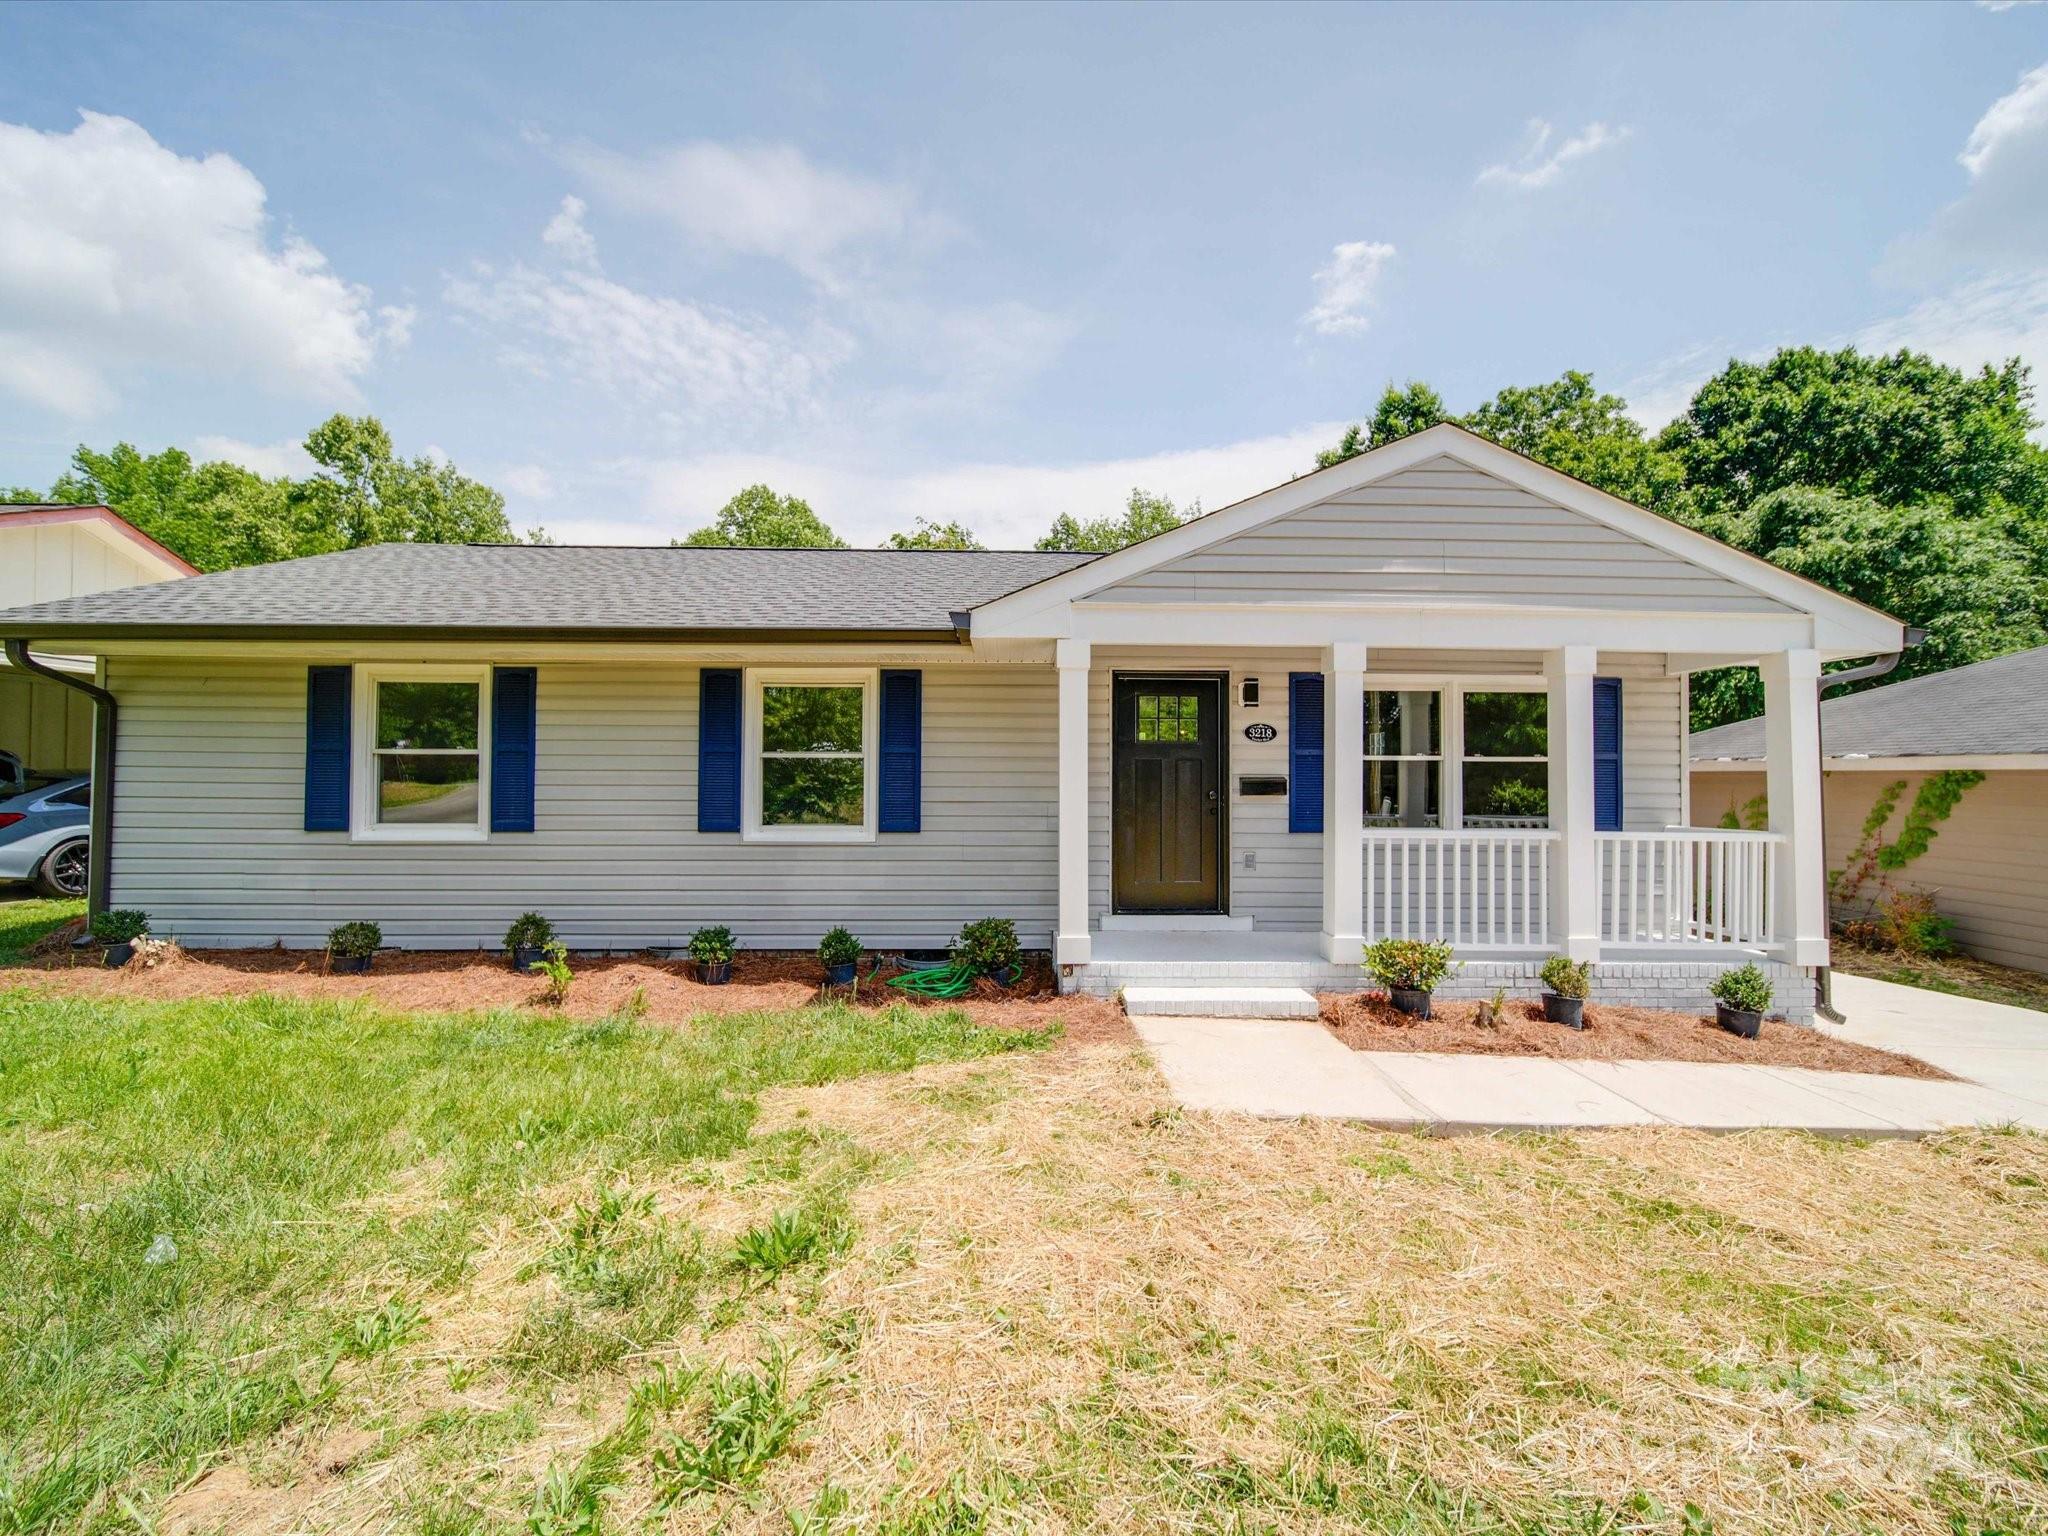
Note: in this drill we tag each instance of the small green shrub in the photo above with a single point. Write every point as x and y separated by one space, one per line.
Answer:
1411 964
1908 923
713 945
839 947
988 946
529 930
352 941
1746 989
1567 978
120 927
554 964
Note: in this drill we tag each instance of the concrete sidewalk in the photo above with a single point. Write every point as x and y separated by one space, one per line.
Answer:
1281 1068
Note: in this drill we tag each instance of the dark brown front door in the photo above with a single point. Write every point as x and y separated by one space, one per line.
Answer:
1166 810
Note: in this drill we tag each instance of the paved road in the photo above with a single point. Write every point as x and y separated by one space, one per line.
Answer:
1284 1068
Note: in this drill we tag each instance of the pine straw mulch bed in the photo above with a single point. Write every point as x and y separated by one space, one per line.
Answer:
455 981
1368 1022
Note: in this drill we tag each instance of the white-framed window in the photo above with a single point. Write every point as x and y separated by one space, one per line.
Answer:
810 737
422 770
1404 757
1504 757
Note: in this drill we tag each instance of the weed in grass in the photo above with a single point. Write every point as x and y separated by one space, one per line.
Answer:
750 1419
385 1329
567 1503
787 1239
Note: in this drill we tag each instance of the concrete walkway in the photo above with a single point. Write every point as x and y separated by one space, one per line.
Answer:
1283 1068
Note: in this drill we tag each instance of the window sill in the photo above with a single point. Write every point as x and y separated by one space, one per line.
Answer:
809 835
419 835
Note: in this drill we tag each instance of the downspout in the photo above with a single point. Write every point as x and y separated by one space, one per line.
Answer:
1824 976
101 825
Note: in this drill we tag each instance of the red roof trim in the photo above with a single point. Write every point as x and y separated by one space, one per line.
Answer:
34 516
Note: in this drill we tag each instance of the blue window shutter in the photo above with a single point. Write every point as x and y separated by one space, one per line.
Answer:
900 801
328 692
513 714
1305 751
1607 754
718 749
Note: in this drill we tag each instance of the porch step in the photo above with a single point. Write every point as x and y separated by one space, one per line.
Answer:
1221 1002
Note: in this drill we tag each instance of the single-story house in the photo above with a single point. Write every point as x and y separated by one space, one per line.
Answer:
49 552
1988 861
1437 690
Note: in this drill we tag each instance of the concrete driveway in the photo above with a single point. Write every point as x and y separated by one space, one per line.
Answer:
1989 1043
1289 1068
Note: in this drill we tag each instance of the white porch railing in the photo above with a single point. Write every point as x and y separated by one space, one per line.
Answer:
1477 889
1686 887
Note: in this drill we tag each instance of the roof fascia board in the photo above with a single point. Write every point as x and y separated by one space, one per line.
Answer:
91 638
522 649
1933 762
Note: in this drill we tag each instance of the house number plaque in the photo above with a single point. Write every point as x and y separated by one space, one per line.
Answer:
1258 730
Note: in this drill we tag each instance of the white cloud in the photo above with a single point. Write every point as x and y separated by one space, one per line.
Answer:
529 482
118 255
1009 505
686 360
760 200
273 459
2001 220
565 233
1348 287
1537 165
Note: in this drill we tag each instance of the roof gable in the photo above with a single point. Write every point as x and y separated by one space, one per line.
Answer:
1441 532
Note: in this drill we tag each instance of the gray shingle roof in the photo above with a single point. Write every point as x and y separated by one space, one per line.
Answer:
469 588
1989 708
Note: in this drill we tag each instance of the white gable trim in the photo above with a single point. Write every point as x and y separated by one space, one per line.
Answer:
1857 623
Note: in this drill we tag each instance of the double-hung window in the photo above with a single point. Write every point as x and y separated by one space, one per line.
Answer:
1403 757
421 772
810 738
1504 777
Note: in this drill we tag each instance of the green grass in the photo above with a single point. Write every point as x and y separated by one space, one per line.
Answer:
325 1172
1957 975
23 922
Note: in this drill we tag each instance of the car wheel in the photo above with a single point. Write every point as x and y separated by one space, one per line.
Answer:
63 871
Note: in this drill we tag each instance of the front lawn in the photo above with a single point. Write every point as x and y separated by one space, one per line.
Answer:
24 921
307 1265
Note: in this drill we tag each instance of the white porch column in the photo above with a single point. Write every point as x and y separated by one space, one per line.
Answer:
1072 945
1799 905
1343 802
1575 879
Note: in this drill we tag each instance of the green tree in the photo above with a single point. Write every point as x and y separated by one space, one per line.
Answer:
758 518
213 515
1143 516
364 493
930 535
1902 428
1402 412
1572 427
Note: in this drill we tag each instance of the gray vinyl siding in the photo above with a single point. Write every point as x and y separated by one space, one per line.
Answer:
208 836
1441 532
1984 865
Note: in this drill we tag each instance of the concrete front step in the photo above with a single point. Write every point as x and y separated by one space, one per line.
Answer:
1220 1002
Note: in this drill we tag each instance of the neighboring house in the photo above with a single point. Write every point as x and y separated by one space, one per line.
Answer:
50 552
1437 689
1988 862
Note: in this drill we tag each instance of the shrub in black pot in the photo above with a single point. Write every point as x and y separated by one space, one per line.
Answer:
527 940
1740 998
116 933
350 946
1410 970
839 952
988 947
712 949
1564 990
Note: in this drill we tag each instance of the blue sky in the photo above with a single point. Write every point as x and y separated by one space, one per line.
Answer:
989 263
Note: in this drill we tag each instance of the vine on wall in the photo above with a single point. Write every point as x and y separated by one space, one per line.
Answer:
1874 858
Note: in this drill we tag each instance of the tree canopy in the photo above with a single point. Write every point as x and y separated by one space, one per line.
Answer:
218 515
759 518
930 535
1144 515
1910 485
